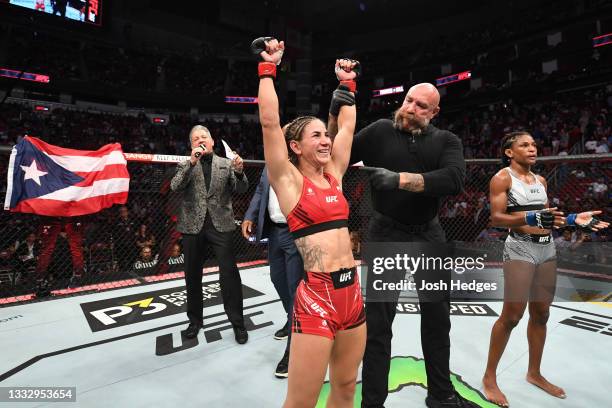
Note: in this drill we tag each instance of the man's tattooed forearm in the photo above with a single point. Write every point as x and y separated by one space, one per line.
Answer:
412 182
312 255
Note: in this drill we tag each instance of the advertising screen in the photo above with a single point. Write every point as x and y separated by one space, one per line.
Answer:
86 11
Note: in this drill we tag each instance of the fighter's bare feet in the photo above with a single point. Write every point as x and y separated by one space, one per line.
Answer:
493 393
539 381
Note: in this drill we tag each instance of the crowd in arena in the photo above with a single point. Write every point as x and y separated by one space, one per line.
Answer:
209 70
562 123
136 133
105 64
578 122
129 241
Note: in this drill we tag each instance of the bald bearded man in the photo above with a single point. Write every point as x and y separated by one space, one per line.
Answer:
416 165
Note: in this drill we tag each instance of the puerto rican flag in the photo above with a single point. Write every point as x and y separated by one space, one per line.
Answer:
54 181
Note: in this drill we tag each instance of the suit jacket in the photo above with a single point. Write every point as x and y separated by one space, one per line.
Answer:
258 208
197 200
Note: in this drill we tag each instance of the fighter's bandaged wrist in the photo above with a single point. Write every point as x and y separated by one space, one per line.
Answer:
540 219
341 97
266 70
571 219
351 84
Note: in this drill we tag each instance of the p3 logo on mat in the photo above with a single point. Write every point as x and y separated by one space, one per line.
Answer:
121 311
107 315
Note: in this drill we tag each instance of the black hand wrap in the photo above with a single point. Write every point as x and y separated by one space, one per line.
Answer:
383 179
545 219
588 227
341 97
259 45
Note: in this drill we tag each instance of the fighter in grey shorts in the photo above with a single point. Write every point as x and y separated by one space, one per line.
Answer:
534 249
519 202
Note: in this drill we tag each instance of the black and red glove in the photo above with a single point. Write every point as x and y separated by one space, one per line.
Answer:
344 95
265 69
351 84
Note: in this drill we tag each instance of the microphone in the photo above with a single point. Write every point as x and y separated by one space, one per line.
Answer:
201 146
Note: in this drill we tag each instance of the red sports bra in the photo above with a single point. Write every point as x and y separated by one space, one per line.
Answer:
318 209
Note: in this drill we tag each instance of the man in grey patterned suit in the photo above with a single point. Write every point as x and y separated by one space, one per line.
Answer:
206 217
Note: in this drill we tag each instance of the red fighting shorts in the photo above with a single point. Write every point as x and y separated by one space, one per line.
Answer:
328 302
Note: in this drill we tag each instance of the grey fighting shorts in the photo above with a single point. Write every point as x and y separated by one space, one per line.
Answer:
535 249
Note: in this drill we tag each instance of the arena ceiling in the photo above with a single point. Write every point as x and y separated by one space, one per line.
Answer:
349 16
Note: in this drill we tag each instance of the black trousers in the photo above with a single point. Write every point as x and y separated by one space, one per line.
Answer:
286 268
435 327
194 248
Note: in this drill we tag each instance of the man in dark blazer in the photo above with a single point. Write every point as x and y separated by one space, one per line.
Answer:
207 182
286 266
27 254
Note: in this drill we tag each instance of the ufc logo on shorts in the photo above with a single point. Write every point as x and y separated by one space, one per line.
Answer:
331 199
345 277
544 239
318 309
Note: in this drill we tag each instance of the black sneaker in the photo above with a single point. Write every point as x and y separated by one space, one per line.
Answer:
281 334
454 401
282 368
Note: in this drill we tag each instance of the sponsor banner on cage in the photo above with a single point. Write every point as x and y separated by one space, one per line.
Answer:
138 157
154 158
121 311
479 271
168 158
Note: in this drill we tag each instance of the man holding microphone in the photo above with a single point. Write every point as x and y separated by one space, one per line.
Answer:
205 218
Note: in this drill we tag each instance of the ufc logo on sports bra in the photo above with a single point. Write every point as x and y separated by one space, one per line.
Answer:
331 199
345 277
534 191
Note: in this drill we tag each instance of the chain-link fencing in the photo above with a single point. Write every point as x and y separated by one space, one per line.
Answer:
138 242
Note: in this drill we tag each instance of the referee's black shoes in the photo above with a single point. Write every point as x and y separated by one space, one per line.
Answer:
454 401
282 369
241 335
192 330
282 333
